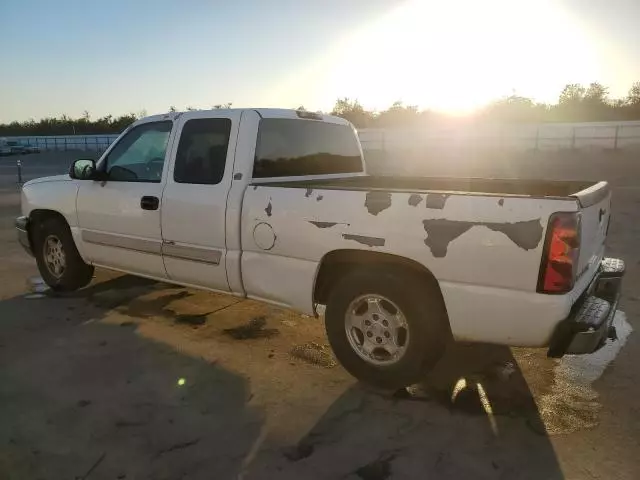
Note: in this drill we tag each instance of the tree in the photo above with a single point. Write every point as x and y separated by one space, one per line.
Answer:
398 114
596 93
571 104
572 94
515 108
172 109
352 111
633 98
595 105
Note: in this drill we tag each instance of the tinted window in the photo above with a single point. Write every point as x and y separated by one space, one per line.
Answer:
202 151
305 147
139 155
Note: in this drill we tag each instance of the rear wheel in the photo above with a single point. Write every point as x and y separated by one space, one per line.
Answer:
386 326
59 262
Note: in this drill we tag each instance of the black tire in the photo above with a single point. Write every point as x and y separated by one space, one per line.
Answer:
421 305
76 274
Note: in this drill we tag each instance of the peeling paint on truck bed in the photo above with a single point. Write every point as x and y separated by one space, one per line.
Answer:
376 202
441 232
368 241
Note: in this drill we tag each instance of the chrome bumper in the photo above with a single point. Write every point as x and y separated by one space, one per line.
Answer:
589 324
22 227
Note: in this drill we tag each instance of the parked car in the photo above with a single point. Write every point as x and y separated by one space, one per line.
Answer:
5 149
21 148
16 147
31 149
276 205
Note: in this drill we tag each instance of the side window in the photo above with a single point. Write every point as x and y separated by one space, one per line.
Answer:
202 151
139 156
289 148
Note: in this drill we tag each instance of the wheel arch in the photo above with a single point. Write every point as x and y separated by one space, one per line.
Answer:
337 263
39 215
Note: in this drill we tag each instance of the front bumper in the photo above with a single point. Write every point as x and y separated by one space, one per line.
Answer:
22 227
589 324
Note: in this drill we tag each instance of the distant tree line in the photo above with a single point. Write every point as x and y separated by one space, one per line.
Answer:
576 103
65 125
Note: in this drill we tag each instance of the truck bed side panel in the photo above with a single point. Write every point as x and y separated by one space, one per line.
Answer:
492 242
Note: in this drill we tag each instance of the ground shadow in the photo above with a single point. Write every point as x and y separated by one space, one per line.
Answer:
473 417
82 398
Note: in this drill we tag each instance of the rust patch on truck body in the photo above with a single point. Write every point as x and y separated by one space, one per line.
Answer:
526 235
415 199
376 202
368 241
323 224
436 200
440 232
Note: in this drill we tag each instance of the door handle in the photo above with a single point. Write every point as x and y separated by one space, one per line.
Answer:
149 203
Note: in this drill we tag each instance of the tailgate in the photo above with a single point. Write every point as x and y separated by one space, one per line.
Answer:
595 203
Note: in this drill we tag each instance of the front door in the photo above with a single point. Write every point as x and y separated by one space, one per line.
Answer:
119 218
195 198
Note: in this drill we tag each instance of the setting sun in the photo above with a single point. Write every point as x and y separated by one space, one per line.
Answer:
454 56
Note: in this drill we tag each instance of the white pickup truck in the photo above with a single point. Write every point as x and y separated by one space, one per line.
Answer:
276 205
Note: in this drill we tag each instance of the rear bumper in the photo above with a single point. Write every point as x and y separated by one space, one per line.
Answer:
22 228
588 326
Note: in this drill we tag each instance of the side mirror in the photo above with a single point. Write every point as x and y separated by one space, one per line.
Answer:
83 170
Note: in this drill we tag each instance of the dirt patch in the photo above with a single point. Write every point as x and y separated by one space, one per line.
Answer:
314 353
193 320
251 330
379 469
294 454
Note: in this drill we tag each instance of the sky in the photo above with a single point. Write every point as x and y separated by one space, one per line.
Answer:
70 56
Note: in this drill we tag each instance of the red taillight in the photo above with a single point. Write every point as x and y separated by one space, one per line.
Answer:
560 254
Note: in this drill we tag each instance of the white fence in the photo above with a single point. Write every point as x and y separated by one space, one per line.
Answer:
607 135
94 143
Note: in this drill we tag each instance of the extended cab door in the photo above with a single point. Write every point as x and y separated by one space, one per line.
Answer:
195 198
119 218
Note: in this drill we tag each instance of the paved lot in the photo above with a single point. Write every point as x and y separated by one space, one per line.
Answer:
132 379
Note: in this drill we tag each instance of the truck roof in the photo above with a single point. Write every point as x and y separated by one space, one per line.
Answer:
263 112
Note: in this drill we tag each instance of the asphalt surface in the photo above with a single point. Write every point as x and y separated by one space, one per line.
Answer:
132 379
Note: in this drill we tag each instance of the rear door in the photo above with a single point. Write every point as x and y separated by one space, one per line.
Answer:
195 197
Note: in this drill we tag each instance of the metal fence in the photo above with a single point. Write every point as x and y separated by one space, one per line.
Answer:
93 143
516 137
607 135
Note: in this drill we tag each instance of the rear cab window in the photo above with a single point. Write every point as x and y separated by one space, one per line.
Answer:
296 147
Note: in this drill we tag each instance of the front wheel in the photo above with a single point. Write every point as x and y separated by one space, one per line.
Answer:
59 262
387 327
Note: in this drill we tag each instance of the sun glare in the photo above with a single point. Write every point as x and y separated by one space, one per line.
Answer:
454 56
